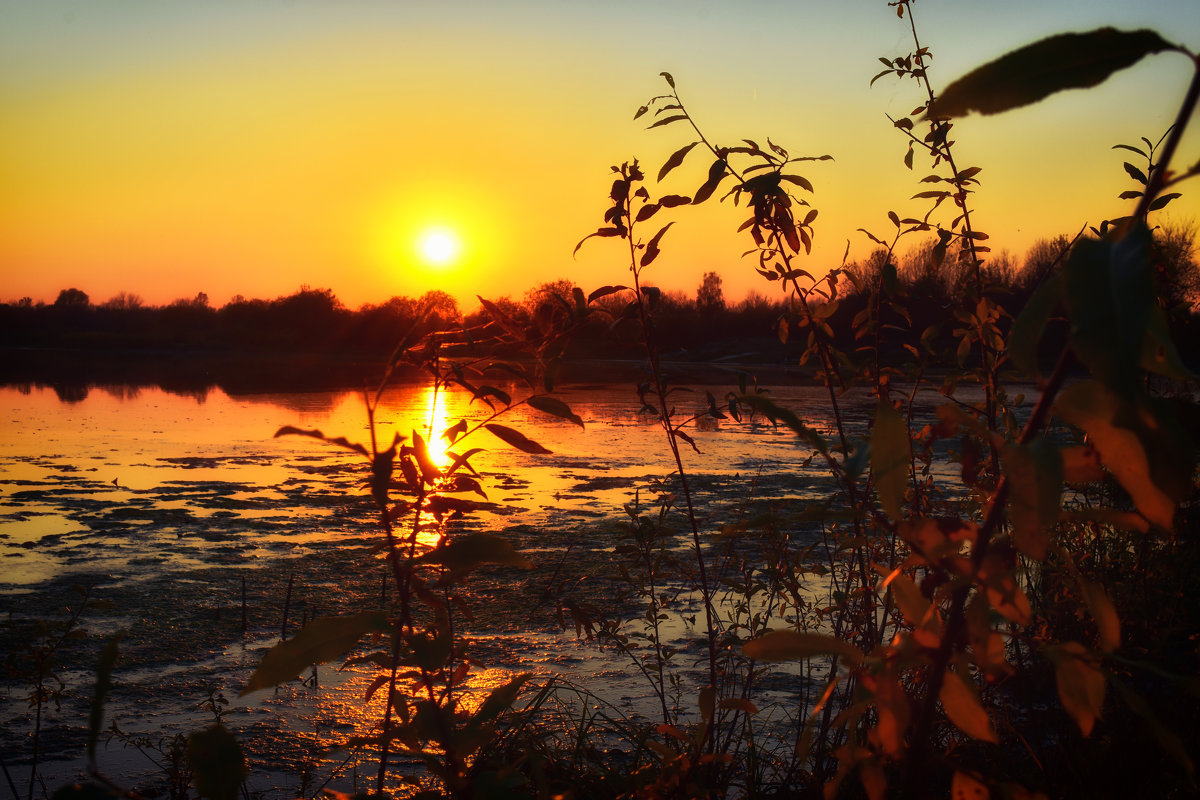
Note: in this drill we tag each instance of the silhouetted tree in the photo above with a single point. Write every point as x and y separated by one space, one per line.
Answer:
1177 270
709 297
1040 262
123 301
72 298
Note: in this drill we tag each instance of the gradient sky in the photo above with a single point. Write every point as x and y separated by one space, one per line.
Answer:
248 148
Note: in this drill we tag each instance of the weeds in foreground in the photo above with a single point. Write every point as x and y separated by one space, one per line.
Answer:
959 564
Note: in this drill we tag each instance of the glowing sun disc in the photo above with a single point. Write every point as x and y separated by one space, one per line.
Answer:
438 246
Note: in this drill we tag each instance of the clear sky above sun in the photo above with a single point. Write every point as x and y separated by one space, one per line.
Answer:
389 148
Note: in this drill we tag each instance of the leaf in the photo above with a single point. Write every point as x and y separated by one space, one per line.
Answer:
666 121
1119 432
516 439
1033 72
554 407
1030 325
1080 685
889 458
340 441
912 603
463 553
1159 354
1035 473
321 640
500 699
604 291
791 645
967 787
1105 614
964 710
669 79
1005 596
715 173
652 246
776 414
1131 148
501 318
738 704
1135 173
646 212
1162 200
799 180
602 232
1108 296
429 470
104 668
675 160
217 763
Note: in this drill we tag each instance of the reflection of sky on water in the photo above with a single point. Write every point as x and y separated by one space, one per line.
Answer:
155 460
151 488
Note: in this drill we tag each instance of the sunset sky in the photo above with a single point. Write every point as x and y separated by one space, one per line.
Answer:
232 148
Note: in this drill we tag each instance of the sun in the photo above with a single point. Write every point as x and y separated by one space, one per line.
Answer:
439 247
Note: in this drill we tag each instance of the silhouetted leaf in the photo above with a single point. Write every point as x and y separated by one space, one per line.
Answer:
715 173
1104 613
1122 435
321 640
1109 294
791 645
1135 173
605 291
485 391
669 79
646 212
454 431
1080 685
1162 200
1158 350
1003 593
500 699
217 763
1035 473
1130 148
652 251
799 180
967 787
516 439
776 414
675 160
1030 73
104 668
502 319
602 232
642 110
340 441
554 407
673 200
1030 324
963 708
889 458
463 553
666 121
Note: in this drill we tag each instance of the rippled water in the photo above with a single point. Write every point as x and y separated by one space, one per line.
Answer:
172 506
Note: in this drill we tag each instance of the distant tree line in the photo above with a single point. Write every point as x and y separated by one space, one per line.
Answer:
702 326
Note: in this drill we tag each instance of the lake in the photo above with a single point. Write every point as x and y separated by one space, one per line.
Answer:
171 508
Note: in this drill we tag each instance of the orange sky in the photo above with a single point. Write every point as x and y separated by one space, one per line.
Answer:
230 148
